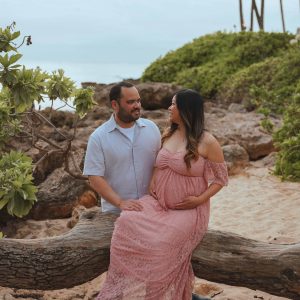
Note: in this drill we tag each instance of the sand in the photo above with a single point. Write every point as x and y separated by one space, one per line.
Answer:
255 205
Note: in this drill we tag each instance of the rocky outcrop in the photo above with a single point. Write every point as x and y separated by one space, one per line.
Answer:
240 128
154 95
157 95
236 158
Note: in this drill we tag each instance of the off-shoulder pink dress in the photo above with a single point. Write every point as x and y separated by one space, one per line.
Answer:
151 250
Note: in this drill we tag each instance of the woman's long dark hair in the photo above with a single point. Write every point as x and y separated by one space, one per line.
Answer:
191 111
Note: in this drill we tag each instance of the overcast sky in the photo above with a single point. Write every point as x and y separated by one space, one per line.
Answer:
105 41
137 31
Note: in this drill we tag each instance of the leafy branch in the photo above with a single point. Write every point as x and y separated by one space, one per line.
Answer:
21 90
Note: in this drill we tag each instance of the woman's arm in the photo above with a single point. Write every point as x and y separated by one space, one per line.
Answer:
152 184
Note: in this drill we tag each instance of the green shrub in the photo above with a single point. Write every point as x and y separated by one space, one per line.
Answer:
276 75
287 139
17 191
207 62
197 77
20 88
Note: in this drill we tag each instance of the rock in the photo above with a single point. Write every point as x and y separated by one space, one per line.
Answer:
268 161
236 158
101 93
84 85
243 129
156 95
160 117
101 113
59 118
236 107
219 112
208 106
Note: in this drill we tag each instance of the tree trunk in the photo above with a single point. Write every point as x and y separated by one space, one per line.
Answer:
251 21
262 14
259 16
282 16
83 253
242 22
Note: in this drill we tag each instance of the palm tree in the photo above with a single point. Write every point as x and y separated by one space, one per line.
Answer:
260 17
282 15
243 27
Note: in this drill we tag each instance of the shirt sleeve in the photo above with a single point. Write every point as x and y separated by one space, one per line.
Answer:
94 163
215 172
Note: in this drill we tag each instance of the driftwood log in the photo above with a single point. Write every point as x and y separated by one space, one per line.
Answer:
83 253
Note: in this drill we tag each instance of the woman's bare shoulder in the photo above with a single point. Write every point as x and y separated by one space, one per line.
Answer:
208 138
210 147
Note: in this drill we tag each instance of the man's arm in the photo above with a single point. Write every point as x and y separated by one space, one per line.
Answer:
101 186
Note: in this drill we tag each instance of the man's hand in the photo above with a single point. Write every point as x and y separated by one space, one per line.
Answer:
189 202
130 205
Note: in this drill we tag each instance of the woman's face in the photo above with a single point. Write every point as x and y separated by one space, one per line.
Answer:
174 112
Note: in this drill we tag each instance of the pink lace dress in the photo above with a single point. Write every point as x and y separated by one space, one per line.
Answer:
151 250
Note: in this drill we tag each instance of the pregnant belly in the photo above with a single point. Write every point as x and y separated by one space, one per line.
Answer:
175 188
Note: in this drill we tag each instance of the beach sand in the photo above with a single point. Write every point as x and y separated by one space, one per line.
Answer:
255 205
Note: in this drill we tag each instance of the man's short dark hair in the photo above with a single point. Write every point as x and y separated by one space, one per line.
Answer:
115 91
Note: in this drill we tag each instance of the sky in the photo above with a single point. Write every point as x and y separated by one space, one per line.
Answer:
96 39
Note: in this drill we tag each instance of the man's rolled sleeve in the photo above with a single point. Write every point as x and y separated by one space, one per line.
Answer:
94 163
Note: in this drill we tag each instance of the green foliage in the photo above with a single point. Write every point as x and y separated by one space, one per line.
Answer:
267 124
83 101
6 38
209 61
196 77
274 79
60 86
287 139
9 124
17 192
282 100
29 87
20 89
1 235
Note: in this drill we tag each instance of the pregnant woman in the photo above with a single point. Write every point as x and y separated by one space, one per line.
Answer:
151 249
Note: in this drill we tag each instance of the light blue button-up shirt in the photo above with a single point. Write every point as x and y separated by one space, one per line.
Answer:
127 166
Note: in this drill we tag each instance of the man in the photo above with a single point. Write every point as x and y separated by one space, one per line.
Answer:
122 151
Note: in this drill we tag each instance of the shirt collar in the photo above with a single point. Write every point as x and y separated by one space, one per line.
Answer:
112 125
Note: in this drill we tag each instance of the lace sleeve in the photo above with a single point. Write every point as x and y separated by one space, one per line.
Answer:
216 172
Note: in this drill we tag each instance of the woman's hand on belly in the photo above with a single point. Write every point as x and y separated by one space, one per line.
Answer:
189 202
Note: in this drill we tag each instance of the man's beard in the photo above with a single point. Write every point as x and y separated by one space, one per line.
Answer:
126 117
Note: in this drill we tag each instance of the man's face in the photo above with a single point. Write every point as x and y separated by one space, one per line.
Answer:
128 109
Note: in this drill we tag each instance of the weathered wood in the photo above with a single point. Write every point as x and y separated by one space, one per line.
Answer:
83 253
234 260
